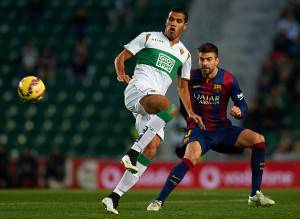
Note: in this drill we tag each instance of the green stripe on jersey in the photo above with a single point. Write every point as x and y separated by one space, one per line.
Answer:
160 59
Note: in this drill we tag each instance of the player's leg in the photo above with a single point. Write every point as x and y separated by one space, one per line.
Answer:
255 141
129 179
163 111
192 153
144 159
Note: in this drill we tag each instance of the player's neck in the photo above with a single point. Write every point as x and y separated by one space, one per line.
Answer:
214 73
172 41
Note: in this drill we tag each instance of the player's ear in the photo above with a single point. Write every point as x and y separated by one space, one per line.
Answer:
185 26
217 60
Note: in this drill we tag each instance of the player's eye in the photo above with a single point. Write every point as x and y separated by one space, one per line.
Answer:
171 19
179 21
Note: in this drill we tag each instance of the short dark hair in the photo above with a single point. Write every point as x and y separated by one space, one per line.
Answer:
182 11
208 47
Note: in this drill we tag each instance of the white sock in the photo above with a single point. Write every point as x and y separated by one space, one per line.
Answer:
129 180
152 127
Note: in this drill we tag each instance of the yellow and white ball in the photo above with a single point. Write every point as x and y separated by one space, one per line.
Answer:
31 89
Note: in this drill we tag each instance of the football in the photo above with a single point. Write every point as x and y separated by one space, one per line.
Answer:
31 89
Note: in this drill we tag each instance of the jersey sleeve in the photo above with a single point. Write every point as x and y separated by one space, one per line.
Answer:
238 98
186 68
137 44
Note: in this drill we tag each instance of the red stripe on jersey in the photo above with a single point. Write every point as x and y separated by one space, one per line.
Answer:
207 109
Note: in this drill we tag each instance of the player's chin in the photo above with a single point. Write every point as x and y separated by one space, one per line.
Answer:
172 34
206 72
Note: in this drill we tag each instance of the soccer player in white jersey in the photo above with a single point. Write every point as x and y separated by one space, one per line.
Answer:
161 57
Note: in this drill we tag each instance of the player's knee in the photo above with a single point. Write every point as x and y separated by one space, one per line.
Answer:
262 138
259 141
193 152
168 114
174 111
151 149
150 152
259 138
192 159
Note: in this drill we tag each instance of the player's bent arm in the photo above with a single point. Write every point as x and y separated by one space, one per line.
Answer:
244 109
241 105
184 94
120 65
238 99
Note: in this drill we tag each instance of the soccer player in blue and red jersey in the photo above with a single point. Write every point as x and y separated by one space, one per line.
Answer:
211 88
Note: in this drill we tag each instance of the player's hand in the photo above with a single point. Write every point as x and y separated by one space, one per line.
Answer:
236 112
197 119
123 78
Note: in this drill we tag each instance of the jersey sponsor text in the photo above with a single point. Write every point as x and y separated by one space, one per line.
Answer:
165 62
207 99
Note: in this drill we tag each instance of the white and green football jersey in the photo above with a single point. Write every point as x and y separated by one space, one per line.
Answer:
158 63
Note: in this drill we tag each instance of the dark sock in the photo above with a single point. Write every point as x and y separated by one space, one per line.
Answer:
115 198
174 178
133 154
257 166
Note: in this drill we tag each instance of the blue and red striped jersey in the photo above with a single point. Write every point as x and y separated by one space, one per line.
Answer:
210 98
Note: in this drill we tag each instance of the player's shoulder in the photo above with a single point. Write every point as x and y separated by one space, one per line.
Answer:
182 46
227 74
153 36
194 71
195 74
228 78
148 34
156 34
184 52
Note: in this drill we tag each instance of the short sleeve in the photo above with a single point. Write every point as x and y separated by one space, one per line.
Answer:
137 44
186 68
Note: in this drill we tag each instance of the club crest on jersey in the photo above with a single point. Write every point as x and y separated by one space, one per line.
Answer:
165 62
218 88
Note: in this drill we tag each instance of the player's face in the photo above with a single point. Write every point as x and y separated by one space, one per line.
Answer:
175 25
208 63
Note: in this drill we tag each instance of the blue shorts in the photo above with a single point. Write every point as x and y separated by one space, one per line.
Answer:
220 140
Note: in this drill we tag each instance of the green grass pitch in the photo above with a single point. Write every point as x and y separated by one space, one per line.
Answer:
188 204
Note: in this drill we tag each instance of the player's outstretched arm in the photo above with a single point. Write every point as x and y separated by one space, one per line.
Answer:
120 66
184 94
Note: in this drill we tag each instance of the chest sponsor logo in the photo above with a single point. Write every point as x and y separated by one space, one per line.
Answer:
207 99
165 62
